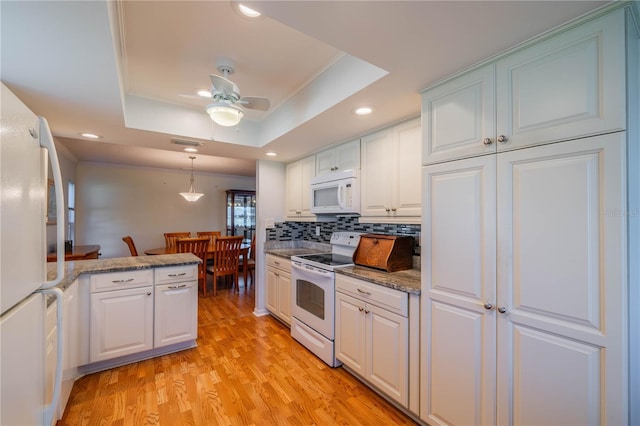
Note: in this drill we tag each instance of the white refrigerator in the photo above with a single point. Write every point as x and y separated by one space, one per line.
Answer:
26 144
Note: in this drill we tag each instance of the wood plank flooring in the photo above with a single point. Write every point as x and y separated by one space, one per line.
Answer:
246 370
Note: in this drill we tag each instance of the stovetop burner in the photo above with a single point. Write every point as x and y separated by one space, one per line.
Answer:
330 259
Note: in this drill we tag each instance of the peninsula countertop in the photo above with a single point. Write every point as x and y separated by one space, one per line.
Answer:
98 266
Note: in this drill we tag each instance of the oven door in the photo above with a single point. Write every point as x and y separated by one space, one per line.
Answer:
313 296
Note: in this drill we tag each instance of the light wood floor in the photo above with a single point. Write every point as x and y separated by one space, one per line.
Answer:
246 370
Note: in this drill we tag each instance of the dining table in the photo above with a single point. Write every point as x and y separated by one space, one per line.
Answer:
244 252
85 252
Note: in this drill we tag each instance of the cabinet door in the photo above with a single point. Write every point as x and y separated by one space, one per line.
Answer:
458 116
284 297
387 352
176 313
298 194
570 86
406 193
350 333
271 294
342 157
51 353
458 263
562 280
121 323
294 189
376 174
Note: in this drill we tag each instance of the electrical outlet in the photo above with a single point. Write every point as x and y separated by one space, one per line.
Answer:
317 230
269 223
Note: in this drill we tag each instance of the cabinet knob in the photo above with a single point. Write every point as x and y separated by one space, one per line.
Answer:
393 209
387 209
487 141
488 306
361 309
502 139
148 293
502 309
366 311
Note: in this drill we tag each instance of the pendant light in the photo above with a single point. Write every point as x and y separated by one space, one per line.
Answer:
191 196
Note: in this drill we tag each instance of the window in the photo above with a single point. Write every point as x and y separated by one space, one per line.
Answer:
71 211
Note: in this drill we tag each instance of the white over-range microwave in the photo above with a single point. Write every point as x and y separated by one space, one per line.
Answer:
336 193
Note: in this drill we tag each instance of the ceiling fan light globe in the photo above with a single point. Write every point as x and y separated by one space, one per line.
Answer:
224 114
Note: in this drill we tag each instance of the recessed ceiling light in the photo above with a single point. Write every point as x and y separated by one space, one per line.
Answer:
271 154
248 12
363 110
90 136
204 93
190 150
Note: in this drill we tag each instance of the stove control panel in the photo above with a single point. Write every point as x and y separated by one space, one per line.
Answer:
345 238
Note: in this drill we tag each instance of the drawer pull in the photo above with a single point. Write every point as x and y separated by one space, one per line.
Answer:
122 281
178 286
178 275
363 292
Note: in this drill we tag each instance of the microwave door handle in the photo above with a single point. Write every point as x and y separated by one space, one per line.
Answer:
341 190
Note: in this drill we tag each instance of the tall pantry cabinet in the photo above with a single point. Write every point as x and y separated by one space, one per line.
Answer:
524 273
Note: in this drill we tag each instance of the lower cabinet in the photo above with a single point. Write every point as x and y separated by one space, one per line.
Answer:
176 313
278 293
51 349
121 323
372 336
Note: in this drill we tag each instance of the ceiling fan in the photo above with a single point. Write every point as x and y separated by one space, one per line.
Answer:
226 110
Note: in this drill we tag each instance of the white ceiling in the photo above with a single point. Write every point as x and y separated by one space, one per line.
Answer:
121 69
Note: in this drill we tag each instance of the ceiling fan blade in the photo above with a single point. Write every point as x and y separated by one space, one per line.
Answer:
222 84
200 98
254 102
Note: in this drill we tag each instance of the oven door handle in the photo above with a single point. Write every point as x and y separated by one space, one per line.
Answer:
324 274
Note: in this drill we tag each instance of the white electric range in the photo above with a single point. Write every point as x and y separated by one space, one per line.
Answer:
313 295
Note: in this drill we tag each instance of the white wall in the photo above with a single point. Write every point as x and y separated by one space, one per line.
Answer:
114 201
271 181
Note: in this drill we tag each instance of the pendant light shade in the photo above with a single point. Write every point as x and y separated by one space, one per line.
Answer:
191 196
224 114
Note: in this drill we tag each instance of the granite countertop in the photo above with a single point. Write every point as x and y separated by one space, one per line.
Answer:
407 280
287 249
98 266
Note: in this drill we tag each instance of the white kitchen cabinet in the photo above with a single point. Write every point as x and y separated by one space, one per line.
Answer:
176 305
278 287
339 158
298 195
569 86
391 182
71 342
121 314
372 333
535 301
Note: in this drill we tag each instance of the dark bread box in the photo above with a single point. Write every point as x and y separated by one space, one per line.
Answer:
388 252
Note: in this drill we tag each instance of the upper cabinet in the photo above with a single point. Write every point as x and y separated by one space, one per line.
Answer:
298 195
569 86
391 174
339 158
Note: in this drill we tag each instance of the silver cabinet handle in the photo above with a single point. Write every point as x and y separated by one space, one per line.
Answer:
502 309
488 306
122 281
363 292
178 275
502 139
487 141
178 286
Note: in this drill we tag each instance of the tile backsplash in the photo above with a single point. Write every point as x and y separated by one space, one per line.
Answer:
289 231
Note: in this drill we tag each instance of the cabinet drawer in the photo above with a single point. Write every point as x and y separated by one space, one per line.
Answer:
387 298
176 274
121 280
278 263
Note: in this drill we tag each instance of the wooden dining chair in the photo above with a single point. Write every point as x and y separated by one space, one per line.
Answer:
132 247
251 263
170 238
225 260
212 235
199 247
